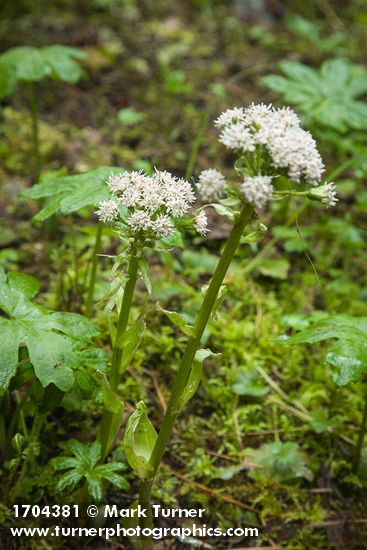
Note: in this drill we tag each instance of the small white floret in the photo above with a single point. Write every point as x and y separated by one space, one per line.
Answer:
139 221
163 226
108 211
211 185
257 190
201 223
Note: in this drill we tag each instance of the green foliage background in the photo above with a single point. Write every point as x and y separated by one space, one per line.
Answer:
156 74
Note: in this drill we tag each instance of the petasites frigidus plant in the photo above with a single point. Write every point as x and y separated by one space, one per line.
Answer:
275 158
147 212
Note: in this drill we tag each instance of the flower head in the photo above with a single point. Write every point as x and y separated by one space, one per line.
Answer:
230 116
151 202
325 193
211 185
237 136
201 223
139 221
330 199
163 226
288 146
108 211
257 190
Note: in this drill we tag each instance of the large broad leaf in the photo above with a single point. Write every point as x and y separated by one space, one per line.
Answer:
348 355
139 440
50 337
327 96
349 359
68 194
63 63
27 64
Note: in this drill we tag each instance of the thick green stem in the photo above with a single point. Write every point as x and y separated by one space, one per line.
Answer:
184 369
35 131
194 340
107 424
93 271
361 435
145 488
193 343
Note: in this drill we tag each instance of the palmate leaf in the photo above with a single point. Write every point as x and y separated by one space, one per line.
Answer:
49 336
348 355
68 194
327 96
27 64
84 464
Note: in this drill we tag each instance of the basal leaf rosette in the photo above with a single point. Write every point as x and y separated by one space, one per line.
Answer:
273 153
150 206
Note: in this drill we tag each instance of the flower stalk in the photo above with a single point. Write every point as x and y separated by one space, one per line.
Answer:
106 426
192 346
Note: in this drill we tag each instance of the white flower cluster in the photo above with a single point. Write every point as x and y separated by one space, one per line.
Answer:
279 132
325 193
257 190
108 211
211 185
151 201
201 223
330 190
